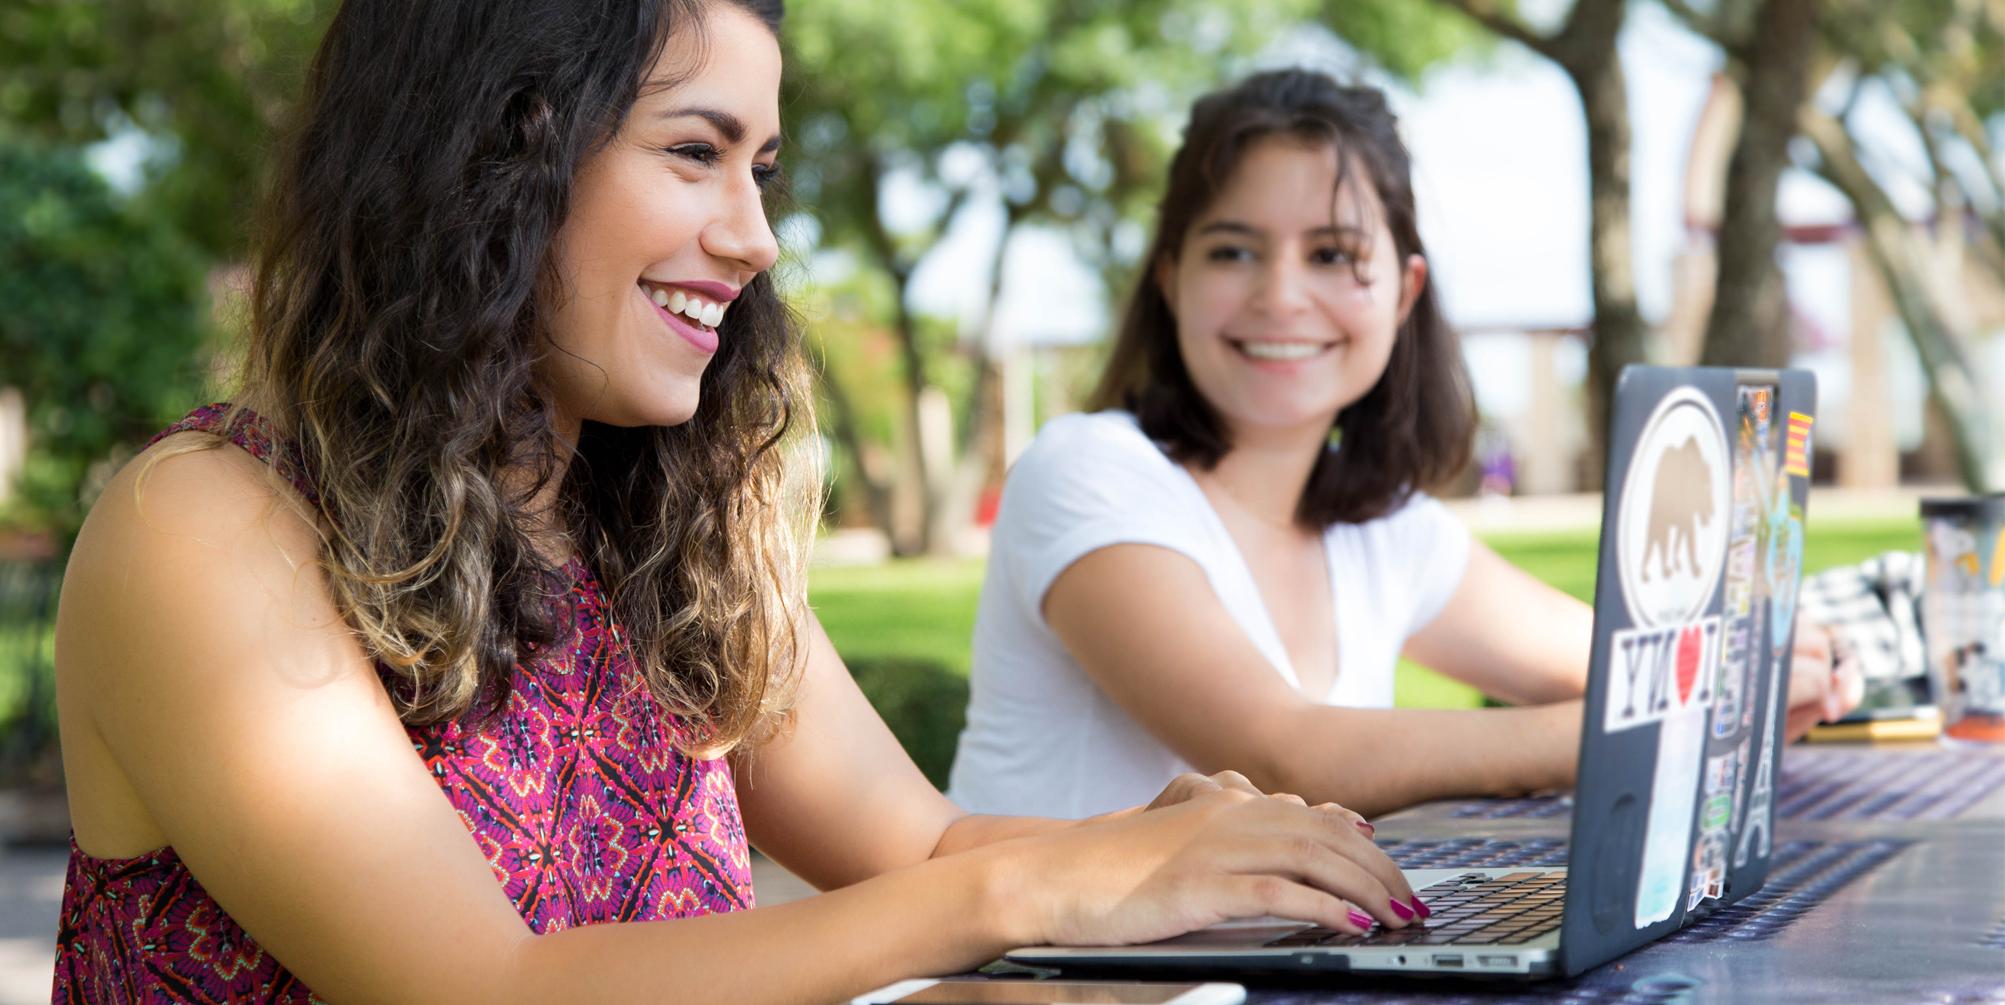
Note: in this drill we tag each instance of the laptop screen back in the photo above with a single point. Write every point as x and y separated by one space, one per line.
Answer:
1701 550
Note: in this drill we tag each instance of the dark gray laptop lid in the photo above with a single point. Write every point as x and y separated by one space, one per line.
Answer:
1701 554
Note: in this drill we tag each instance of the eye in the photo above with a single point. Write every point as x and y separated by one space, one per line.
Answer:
1228 253
1331 256
765 175
701 153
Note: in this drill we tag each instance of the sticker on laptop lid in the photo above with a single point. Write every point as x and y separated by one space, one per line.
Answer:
1667 837
1660 673
1709 857
1796 458
1672 525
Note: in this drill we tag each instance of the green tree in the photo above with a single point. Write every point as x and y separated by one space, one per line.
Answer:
1943 63
105 331
206 81
105 337
1770 47
1059 114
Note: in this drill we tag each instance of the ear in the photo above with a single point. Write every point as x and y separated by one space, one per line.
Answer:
1412 280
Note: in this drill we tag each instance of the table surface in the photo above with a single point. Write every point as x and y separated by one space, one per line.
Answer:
1888 885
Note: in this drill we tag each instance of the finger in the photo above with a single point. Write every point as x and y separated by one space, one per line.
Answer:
1852 686
1288 797
1234 781
1799 722
1183 788
1352 836
1349 816
1254 896
1338 861
1808 685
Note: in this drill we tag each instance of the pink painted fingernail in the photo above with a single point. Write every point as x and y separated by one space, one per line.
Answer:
1360 919
1420 908
1405 913
1365 825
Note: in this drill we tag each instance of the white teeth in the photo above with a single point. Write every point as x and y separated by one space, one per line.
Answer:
1280 350
679 302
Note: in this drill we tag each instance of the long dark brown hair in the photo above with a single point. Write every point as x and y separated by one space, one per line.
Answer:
403 279
1412 430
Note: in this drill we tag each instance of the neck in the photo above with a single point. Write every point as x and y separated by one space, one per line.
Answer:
1266 470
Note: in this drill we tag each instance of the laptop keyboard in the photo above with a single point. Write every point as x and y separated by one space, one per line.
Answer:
1473 909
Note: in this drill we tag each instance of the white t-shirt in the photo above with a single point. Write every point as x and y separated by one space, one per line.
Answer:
1042 739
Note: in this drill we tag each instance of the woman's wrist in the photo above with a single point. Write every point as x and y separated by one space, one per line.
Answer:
1009 900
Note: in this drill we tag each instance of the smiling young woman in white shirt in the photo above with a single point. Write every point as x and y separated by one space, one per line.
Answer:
1221 568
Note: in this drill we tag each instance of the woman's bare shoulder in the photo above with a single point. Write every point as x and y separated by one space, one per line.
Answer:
191 544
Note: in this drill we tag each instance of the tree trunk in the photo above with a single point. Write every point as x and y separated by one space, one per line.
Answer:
981 418
1589 56
906 327
1749 325
842 421
1953 381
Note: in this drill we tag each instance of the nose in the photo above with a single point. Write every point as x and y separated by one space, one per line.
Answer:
741 233
1283 288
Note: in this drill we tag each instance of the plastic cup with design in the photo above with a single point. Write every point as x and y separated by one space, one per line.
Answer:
1963 614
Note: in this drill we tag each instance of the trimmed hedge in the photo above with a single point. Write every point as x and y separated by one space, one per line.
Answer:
923 702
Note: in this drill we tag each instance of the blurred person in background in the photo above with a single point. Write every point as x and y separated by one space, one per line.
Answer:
1222 567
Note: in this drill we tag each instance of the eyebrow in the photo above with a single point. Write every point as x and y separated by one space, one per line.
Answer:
730 125
1249 230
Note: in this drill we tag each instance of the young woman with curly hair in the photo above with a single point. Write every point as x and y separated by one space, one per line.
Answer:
464 655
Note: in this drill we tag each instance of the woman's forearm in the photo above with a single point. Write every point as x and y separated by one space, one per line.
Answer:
978 829
1375 761
938 917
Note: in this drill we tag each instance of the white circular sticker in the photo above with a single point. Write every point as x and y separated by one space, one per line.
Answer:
1672 521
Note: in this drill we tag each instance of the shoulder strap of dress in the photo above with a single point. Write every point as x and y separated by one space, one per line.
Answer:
250 431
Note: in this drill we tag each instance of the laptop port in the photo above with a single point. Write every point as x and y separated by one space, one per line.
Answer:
1443 960
1496 961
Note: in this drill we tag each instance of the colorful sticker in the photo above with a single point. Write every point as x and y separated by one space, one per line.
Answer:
1660 673
1785 563
1733 676
1954 547
1797 452
1709 857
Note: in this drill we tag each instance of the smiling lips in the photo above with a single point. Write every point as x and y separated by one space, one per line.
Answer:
707 313
1280 351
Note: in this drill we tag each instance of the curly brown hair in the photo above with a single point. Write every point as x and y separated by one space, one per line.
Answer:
1414 428
403 278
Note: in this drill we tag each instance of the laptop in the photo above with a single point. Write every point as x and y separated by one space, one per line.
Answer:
1701 553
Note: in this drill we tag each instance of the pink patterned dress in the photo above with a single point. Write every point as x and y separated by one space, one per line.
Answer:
575 795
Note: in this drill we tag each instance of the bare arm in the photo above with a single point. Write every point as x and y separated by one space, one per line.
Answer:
1508 634
837 763
1144 623
1518 639
199 651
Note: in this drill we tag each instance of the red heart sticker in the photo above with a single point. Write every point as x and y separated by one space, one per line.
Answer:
1689 641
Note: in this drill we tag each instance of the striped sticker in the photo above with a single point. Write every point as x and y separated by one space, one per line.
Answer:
1796 456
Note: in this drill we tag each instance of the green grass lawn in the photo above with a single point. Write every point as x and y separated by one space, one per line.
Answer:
924 610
